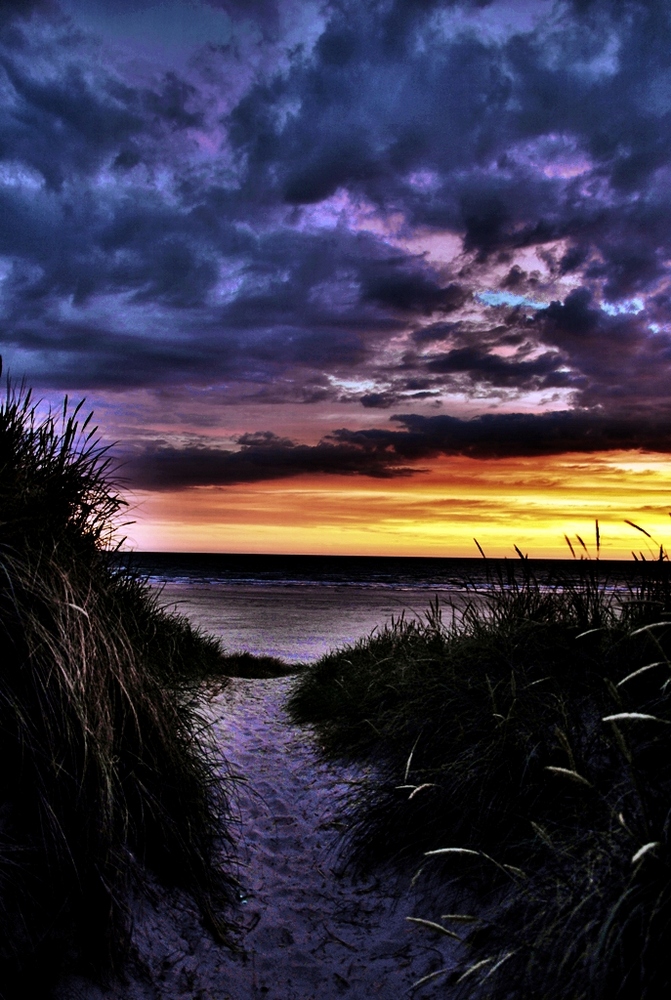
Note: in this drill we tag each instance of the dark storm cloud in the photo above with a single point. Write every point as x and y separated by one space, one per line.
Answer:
520 434
58 128
491 368
168 261
261 457
624 365
378 400
508 435
67 246
383 453
388 94
415 293
618 360
376 103
67 127
157 230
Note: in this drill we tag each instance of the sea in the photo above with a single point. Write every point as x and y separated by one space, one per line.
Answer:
298 608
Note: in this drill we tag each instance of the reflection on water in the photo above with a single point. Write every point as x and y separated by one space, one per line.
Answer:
300 607
298 624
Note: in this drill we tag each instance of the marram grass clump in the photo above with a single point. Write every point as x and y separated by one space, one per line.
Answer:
107 774
521 754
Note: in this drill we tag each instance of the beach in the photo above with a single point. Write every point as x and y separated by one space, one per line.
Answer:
295 624
304 927
301 608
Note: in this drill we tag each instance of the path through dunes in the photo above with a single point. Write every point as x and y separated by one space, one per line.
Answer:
306 930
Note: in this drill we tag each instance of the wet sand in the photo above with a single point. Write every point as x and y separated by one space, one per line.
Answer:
299 624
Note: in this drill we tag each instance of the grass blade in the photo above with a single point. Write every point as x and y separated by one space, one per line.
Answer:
433 926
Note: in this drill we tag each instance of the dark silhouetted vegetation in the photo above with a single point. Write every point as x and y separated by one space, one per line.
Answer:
107 773
252 667
521 758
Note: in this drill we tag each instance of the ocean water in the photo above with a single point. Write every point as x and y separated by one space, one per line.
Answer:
300 607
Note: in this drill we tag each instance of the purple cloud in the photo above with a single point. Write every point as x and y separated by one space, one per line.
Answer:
259 217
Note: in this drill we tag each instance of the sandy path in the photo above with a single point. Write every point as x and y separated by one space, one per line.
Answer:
307 931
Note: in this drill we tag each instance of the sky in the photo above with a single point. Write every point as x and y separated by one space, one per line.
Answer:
349 276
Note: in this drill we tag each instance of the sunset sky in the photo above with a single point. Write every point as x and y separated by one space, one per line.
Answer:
349 276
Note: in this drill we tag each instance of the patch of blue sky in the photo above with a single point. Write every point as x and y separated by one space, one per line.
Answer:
508 299
626 306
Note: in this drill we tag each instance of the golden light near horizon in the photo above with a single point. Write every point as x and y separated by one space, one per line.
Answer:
531 503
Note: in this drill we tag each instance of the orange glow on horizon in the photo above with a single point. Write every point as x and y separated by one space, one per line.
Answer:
528 502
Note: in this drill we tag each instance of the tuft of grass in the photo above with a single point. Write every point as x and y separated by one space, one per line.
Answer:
252 667
515 749
108 772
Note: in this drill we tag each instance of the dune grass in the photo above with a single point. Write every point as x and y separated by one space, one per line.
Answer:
254 667
107 771
521 751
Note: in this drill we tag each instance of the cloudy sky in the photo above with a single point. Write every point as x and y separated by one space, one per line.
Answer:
349 275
